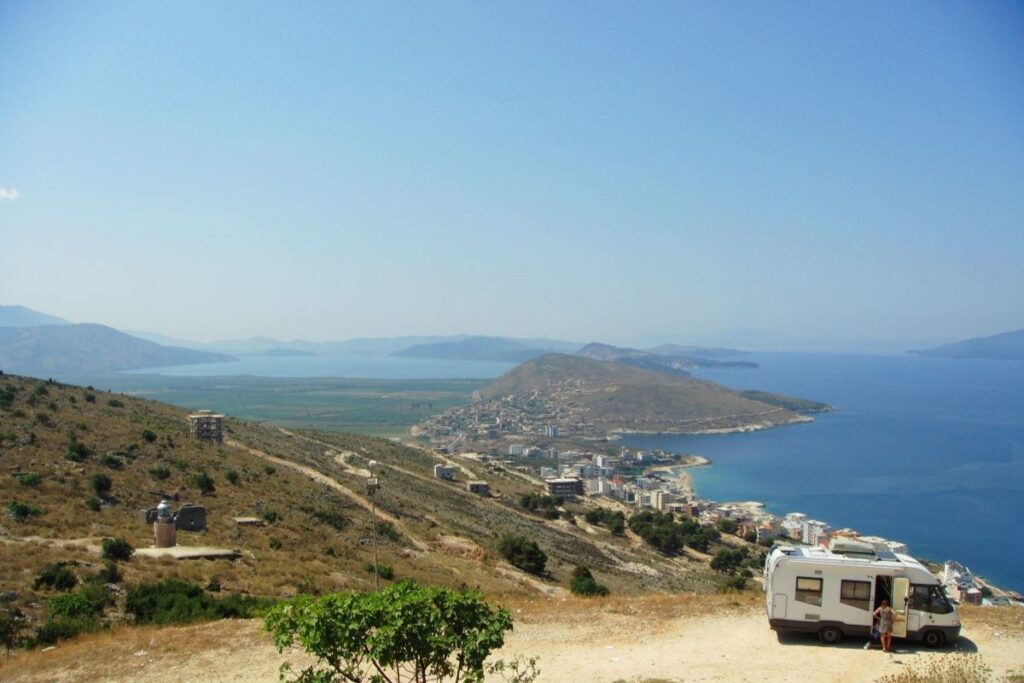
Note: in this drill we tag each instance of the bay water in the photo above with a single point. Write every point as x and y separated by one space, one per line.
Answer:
927 451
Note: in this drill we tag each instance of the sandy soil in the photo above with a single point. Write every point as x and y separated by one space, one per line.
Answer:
665 638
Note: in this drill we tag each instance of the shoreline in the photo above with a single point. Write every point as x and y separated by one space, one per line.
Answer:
615 434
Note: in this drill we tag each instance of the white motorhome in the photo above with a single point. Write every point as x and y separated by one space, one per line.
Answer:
834 591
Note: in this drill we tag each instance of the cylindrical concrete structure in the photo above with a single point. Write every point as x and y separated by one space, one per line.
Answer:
164 533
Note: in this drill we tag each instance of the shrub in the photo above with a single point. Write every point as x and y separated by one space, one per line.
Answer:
77 451
54 630
176 602
43 419
662 531
275 544
731 584
117 549
115 403
583 583
88 601
203 482
269 469
432 633
89 397
728 561
12 625
112 461
232 477
93 503
269 516
727 526
534 502
30 479
56 576
384 570
522 553
159 473
110 573
331 517
148 435
101 484
21 511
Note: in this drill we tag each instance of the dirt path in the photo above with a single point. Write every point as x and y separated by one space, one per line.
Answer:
663 637
333 484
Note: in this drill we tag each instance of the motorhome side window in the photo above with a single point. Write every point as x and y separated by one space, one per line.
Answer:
929 599
808 590
856 594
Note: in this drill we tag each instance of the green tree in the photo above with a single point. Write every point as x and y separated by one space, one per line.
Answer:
583 583
12 624
204 482
117 549
727 526
403 632
523 553
728 561
101 484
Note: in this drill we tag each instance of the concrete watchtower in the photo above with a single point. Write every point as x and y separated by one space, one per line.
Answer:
164 528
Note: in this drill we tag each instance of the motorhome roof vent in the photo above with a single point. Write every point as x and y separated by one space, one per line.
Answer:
850 546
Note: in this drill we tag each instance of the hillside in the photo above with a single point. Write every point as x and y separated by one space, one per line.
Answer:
20 316
615 396
67 350
1005 346
310 487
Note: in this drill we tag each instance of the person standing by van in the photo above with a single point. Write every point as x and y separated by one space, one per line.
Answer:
885 616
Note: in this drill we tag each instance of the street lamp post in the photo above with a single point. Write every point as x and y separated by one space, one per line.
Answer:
372 486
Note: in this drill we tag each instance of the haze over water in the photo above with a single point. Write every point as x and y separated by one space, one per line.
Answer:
922 450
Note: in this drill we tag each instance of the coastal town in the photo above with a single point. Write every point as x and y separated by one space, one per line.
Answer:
658 480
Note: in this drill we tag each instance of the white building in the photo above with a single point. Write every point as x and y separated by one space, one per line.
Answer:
814 531
517 449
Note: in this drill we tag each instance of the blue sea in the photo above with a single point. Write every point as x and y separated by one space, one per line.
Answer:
927 451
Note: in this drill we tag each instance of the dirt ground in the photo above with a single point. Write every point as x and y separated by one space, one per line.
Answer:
660 638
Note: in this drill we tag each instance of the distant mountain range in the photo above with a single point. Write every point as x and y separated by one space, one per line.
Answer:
666 360
19 316
87 348
617 396
487 349
1005 346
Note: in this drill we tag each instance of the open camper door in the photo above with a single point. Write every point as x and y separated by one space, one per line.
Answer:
900 591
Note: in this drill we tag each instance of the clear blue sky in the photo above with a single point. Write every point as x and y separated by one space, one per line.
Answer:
614 171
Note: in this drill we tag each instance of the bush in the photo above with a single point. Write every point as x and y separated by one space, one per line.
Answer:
54 630
43 420
112 461
662 531
269 469
93 503
275 544
727 526
56 576
232 477
269 516
29 479
522 553
534 502
110 573
732 584
86 602
148 435
117 549
728 561
613 520
12 624
89 397
115 403
176 602
21 511
77 451
159 473
384 570
101 484
432 633
583 583
203 482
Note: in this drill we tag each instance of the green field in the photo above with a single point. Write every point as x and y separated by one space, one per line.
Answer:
365 406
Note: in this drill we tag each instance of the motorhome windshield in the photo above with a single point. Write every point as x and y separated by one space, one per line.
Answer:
929 599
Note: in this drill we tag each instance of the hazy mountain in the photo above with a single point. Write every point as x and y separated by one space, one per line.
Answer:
1005 346
475 348
165 340
20 316
674 364
87 348
618 396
